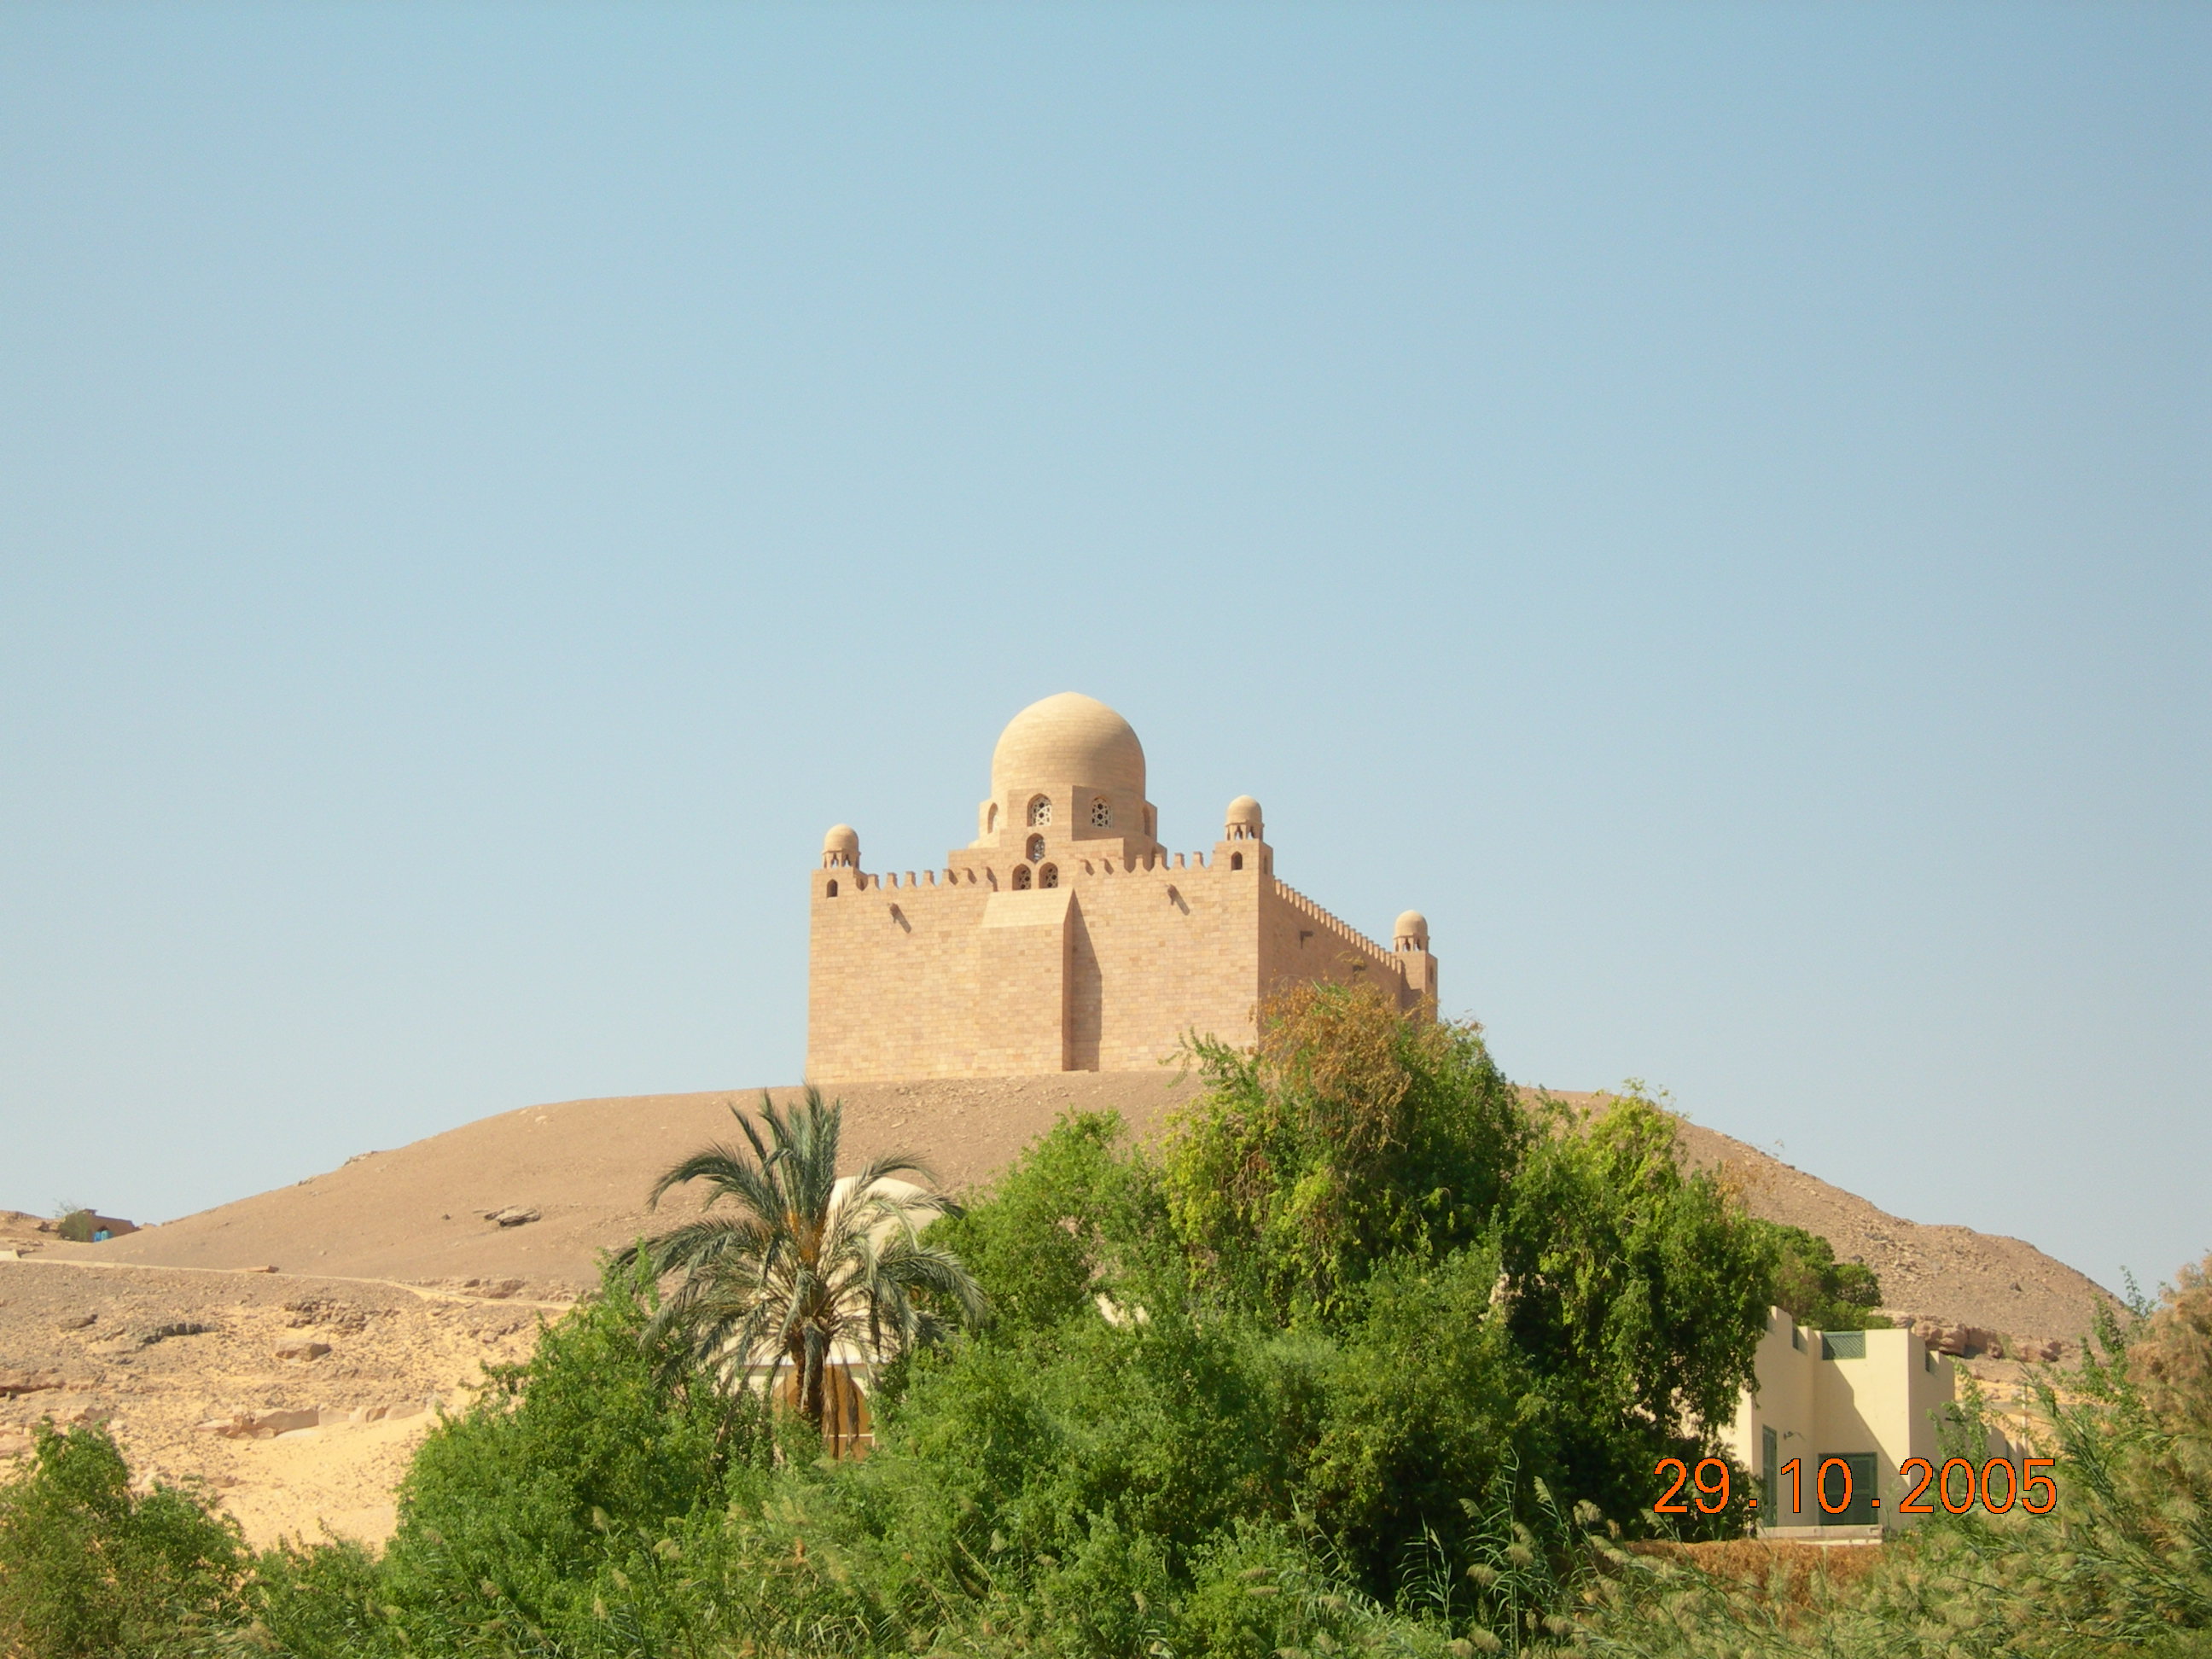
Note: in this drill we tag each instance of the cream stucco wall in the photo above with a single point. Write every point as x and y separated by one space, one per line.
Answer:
1887 1404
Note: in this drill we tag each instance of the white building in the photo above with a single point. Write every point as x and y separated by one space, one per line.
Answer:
1870 1399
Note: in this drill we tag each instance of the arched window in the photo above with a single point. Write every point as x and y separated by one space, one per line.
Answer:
1049 876
1041 811
1102 813
1021 877
1035 853
991 820
1236 861
832 891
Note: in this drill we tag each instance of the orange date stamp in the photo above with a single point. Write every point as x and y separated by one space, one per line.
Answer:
1958 1487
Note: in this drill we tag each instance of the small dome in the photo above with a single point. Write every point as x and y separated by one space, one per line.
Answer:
1414 927
1067 738
843 843
1244 811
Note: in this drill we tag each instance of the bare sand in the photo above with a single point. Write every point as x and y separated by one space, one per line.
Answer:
416 1213
289 1445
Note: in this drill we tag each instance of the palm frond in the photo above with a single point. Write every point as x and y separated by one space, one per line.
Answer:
800 1262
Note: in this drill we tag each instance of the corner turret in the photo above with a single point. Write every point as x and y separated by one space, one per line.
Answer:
841 863
1410 941
1243 844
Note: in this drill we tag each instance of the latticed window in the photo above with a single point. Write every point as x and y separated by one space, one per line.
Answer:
1021 877
1049 876
1036 848
1040 810
1102 813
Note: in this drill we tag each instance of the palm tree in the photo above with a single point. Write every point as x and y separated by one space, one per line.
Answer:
804 1261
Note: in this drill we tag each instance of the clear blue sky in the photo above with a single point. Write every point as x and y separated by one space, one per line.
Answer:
1711 504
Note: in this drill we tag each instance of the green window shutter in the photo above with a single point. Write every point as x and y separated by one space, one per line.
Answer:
1843 1345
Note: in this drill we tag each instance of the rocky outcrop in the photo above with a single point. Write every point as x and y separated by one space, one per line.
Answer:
1973 1342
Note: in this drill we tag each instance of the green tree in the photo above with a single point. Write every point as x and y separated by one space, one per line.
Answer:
1349 1133
1639 1295
1818 1290
1077 1215
88 1567
804 1260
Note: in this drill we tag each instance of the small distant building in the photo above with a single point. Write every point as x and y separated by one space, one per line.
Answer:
90 1227
1066 937
1870 1399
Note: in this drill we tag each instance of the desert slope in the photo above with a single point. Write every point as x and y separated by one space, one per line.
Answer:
1948 1274
417 1214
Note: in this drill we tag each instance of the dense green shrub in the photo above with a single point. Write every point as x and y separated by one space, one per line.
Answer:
569 1469
1080 1214
1349 1134
90 1567
1425 1402
1817 1289
1639 1294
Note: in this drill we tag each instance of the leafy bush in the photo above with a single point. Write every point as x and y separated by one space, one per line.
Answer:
1639 1294
569 1472
1351 1134
1077 1216
1817 1289
1426 1402
90 1567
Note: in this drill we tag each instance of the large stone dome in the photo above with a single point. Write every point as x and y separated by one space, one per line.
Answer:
1067 738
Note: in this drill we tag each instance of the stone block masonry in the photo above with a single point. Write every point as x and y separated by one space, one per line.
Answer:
1066 937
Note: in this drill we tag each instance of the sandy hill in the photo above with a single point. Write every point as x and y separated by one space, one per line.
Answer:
422 1213
419 1213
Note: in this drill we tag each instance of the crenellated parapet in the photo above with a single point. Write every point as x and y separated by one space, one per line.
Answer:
1343 930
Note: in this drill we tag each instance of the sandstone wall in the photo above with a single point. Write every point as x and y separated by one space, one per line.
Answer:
958 976
1299 941
955 977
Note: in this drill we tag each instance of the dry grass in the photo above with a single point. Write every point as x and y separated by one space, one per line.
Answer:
1795 1577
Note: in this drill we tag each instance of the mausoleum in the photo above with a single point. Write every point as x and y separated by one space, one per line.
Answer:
1066 937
